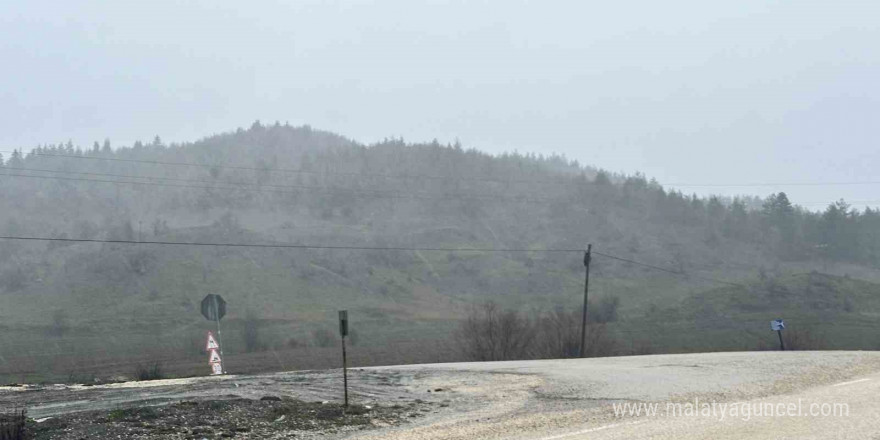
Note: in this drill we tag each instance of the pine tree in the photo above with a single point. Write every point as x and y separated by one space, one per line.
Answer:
16 161
780 214
839 232
715 209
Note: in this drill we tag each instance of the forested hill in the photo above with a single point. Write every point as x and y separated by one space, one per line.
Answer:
277 184
393 188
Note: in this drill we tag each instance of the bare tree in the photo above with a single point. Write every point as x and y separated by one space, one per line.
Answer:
559 333
492 334
489 333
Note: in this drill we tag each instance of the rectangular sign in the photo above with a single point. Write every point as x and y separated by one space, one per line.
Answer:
343 323
216 368
777 325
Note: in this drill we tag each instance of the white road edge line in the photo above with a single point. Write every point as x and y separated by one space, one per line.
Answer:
850 382
587 431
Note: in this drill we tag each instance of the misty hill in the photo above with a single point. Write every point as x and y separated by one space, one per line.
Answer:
295 185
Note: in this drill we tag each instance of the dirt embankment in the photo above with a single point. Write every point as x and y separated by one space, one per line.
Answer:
268 418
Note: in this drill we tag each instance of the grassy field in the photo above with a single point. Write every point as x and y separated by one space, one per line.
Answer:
821 312
414 323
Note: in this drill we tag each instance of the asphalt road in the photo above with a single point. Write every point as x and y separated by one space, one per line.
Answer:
558 399
776 395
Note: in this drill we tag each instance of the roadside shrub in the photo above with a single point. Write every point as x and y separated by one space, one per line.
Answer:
489 333
802 339
598 343
795 340
559 334
152 371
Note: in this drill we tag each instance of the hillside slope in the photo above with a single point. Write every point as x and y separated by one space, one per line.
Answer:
62 302
820 311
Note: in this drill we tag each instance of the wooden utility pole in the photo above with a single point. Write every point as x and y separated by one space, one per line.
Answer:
586 293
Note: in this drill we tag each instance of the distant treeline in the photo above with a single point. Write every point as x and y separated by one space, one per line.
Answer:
543 200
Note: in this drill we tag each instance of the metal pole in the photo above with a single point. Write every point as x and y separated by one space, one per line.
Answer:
219 339
586 293
781 344
344 372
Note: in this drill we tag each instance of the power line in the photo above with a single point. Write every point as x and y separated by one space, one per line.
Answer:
390 194
256 188
292 189
651 266
663 269
288 246
371 248
849 202
689 275
299 170
378 248
429 177
725 185
175 179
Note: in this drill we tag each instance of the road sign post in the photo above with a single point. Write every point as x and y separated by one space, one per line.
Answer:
214 359
778 325
343 332
214 309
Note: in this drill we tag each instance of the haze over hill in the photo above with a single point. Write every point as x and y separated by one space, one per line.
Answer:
378 225
751 92
403 219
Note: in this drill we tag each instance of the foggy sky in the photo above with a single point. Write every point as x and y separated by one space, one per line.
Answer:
688 92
